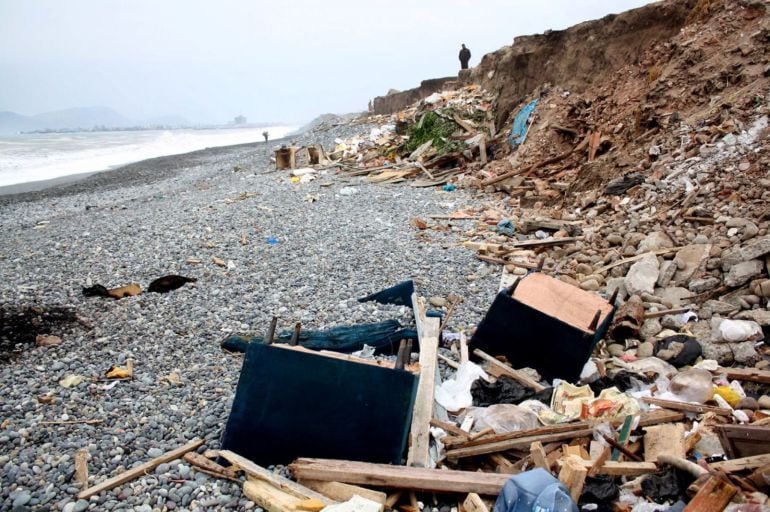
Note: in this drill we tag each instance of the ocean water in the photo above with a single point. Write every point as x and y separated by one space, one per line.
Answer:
35 157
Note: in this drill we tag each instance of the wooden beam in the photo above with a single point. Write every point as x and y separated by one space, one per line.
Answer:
474 503
621 468
419 435
81 467
750 374
714 496
539 457
208 466
646 419
338 491
573 475
138 471
284 484
521 377
398 477
684 406
520 443
664 439
268 497
753 462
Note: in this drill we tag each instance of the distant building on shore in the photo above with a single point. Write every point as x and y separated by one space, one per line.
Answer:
239 120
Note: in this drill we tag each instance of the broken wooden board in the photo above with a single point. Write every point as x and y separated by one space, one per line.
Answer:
428 330
268 497
517 443
687 407
521 377
753 462
398 477
649 418
714 496
282 483
139 470
613 468
749 374
573 475
338 491
744 440
474 503
667 438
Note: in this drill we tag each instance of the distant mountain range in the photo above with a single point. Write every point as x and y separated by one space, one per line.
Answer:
86 118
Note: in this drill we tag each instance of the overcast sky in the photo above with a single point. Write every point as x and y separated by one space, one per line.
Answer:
270 61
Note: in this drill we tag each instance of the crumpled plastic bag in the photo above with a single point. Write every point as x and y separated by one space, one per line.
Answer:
692 385
734 331
502 418
545 414
647 365
71 380
455 394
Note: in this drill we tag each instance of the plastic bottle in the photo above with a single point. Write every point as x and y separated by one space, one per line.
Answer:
534 491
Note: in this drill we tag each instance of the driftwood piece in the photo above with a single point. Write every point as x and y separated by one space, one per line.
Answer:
338 491
138 471
257 472
714 496
398 477
419 435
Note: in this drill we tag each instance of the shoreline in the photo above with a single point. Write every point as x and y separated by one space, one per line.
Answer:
146 171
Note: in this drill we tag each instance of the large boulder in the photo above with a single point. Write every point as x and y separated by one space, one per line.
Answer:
752 250
741 273
643 275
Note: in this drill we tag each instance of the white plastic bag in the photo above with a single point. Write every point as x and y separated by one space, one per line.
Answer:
455 394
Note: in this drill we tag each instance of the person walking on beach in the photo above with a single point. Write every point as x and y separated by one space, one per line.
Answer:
265 134
465 56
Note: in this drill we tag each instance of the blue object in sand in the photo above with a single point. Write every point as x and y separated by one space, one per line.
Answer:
449 187
521 125
272 240
506 227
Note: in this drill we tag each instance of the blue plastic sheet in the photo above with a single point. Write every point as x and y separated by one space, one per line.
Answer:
520 124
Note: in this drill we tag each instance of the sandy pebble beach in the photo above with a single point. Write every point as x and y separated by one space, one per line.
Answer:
146 220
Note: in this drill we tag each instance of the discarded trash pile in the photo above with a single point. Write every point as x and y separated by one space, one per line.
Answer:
533 414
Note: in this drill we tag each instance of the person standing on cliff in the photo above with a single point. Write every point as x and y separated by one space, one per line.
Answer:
465 56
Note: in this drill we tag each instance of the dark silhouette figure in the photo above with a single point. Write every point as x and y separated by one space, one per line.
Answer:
265 135
465 56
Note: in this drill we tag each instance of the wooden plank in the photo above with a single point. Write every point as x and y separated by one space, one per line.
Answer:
463 348
573 475
450 428
599 462
520 443
750 374
760 478
684 406
507 370
268 497
650 418
744 440
398 477
714 496
474 503
338 491
138 471
539 457
419 435
81 467
208 466
284 484
621 468
753 462
636 258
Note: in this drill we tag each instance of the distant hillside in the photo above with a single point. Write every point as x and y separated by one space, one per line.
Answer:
67 119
